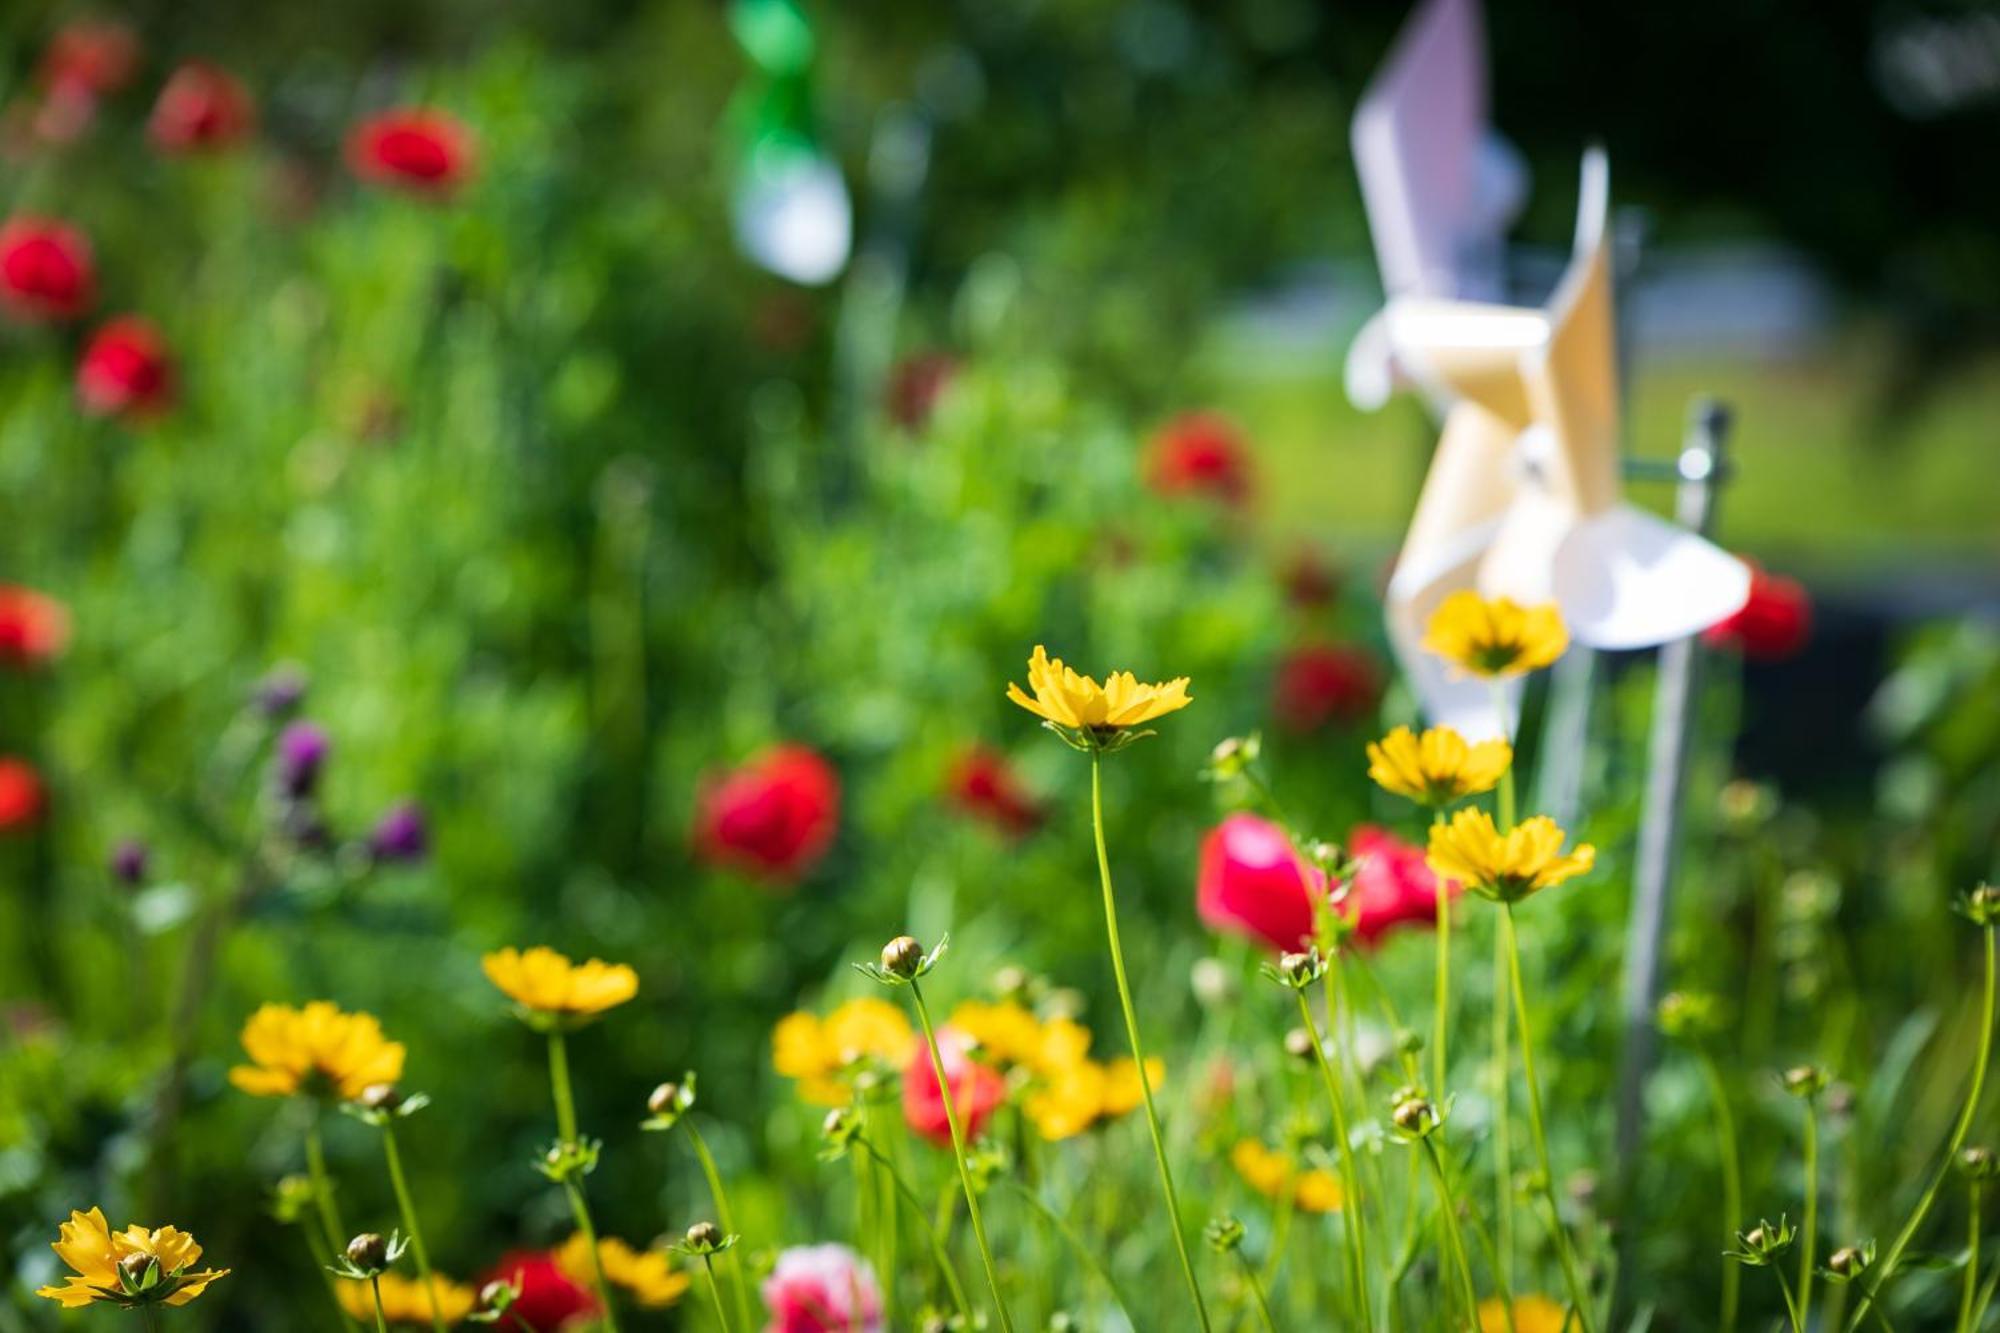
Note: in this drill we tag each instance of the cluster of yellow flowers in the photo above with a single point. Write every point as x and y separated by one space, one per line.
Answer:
1275 1174
1067 1091
861 1040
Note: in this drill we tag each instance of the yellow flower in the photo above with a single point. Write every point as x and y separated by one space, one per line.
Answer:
317 1049
1099 712
1532 1314
95 1252
1074 1097
549 986
818 1051
648 1276
1006 1032
1495 638
1122 1092
405 1301
1505 867
1437 767
1270 1173
1064 1042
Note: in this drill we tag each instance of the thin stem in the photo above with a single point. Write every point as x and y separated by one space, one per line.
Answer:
1132 1034
152 1319
738 1282
1257 1290
1809 1238
958 1155
1908 1231
1577 1294
1448 1204
319 1248
715 1292
1965 1301
916 1205
1791 1304
566 1129
1075 1242
375 1285
1732 1185
1357 1246
409 1211
1441 1003
329 1212
1503 1120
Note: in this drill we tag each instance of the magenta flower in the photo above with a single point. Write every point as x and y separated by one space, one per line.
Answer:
822 1289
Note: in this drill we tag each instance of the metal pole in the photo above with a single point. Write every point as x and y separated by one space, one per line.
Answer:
1702 468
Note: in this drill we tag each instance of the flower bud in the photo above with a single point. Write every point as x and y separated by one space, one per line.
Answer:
1757 1237
1982 905
139 1272
1847 1261
1224 1234
901 956
665 1098
1805 1080
497 1295
1978 1163
1414 1116
1296 968
1299 1044
704 1237
368 1252
380 1097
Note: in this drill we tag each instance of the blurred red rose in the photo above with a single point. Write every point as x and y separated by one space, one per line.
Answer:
1252 881
92 56
45 269
1199 453
33 628
1321 683
125 370
774 817
414 148
1774 623
915 385
21 794
549 1300
982 784
202 107
1393 886
976 1089
1309 581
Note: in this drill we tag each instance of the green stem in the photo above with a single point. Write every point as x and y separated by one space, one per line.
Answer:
1503 1120
409 1211
319 1247
938 1250
1809 1239
1357 1246
1732 1185
1441 1003
152 1319
1132 1034
1577 1294
1791 1304
1448 1204
958 1155
738 1282
1257 1290
375 1285
1971 1261
715 1291
1908 1231
565 1101
1075 1243
329 1212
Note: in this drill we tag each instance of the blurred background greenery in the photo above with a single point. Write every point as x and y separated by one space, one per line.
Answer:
562 507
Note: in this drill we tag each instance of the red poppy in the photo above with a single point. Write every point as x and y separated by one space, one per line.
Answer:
982 784
1252 881
1321 683
1393 885
414 148
976 1089
201 107
45 269
1200 454
774 817
1774 623
125 370
21 794
915 385
33 628
549 1300
93 57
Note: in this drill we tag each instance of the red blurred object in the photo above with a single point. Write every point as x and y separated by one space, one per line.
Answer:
91 56
915 384
549 1300
1773 624
1200 454
774 817
1393 886
202 107
1321 683
1252 881
982 784
415 149
22 796
45 269
1309 581
125 370
976 1089
33 628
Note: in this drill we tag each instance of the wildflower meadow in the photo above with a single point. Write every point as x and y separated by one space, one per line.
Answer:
765 667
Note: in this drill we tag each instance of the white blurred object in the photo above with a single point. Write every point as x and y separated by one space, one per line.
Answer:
792 213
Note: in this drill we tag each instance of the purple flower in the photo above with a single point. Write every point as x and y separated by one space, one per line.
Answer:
128 861
302 750
279 693
400 834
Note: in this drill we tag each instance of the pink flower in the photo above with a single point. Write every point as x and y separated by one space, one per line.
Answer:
414 149
983 785
822 1289
1200 454
90 56
976 1089
1321 683
126 370
202 107
45 269
1253 882
774 817
1774 623
1394 886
